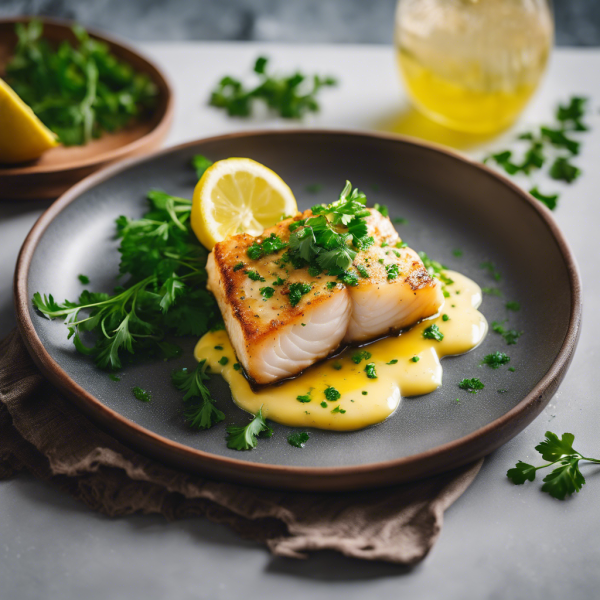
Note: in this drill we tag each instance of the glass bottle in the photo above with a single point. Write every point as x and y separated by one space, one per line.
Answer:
472 65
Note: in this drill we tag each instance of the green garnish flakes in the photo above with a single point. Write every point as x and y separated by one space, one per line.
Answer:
141 394
445 317
298 439
84 279
297 290
246 437
223 360
433 333
471 385
332 394
267 292
357 357
254 276
495 360
415 359
370 371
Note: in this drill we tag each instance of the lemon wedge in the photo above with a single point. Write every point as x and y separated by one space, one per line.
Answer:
24 137
238 195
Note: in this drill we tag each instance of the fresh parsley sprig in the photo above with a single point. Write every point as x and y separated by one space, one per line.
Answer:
165 291
200 412
246 437
330 239
78 91
292 96
566 478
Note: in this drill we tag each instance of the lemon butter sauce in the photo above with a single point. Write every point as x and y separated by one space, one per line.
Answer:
405 365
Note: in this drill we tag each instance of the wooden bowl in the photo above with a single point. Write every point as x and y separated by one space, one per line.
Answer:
61 167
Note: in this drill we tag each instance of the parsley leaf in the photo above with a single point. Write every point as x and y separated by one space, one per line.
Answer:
566 478
550 200
357 357
433 333
298 439
471 385
563 170
79 89
370 371
200 164
510 336
246 437
291 96
297 290
332 394
200 411
495 360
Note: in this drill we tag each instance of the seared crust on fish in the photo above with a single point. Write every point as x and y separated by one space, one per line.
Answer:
275 339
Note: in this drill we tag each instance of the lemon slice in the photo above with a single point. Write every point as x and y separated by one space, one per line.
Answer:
23 136
238 195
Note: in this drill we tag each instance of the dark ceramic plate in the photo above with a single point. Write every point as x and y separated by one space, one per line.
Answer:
448 201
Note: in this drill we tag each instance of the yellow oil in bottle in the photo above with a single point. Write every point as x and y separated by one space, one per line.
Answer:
472 65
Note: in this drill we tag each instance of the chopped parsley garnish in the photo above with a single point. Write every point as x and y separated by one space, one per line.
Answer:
457 252
332 394
313 271
568 118
266 292
492 291
382 208
566 478
337 409
270 245
399 221
254 276
563 170
357 357
384 244
236 366
219 347
200 411
364 393
370 371
445 317
84 279
331 285
349 279
278 281
223 360
433 333
491 268
141 394
297 290
238 266
324 404
512 369
298 439
550 200
471 385
285 96
401 245
510 335
392 362
325 238
114 377
304 398
79 89
415 359
337 366
200 164
362 271
514 306
495 360
392 271
246 437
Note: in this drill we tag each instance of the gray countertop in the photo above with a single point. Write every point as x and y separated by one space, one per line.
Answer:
498 541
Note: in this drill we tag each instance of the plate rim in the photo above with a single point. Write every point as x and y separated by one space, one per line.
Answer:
375 474
156 134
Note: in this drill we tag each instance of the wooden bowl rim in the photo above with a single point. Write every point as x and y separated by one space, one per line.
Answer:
162 118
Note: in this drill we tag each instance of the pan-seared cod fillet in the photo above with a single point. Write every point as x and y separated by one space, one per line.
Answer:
282 316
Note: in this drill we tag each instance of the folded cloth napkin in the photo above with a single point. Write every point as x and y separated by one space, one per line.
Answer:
43 433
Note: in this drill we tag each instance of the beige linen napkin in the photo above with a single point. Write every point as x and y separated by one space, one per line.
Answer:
43 433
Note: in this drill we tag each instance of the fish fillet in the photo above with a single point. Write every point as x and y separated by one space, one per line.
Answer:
274 340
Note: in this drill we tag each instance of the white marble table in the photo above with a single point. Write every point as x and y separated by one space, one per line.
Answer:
498 541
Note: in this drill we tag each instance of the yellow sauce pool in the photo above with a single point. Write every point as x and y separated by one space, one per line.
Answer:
464 329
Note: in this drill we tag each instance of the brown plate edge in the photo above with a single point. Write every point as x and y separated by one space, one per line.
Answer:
80 169
325 479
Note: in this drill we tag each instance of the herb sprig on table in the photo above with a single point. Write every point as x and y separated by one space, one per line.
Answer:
291 96
78 91
566 478
547 141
